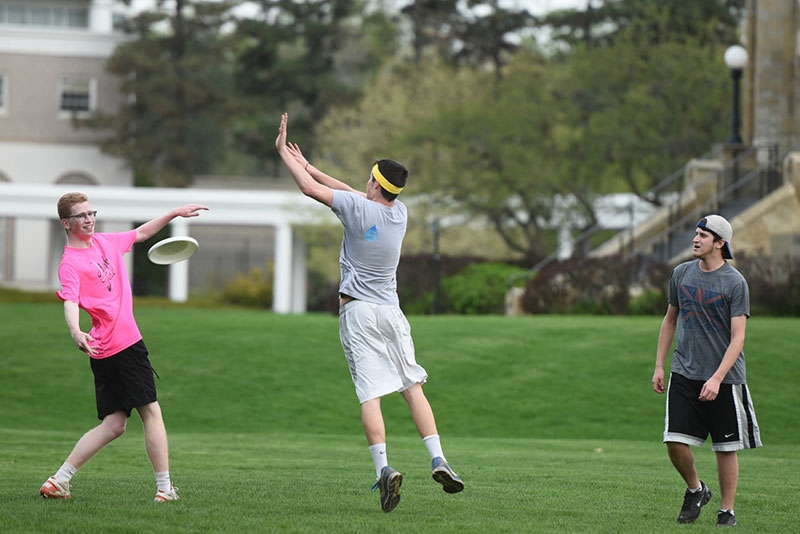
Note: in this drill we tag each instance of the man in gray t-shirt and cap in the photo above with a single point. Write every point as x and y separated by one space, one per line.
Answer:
374 332
709 303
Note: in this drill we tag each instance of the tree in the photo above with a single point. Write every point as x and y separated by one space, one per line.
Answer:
473 144
475 32
552 132
638 110
601 21
176 80
307 57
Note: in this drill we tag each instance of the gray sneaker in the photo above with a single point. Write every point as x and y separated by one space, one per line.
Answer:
726 518
444 475
693 503
389 484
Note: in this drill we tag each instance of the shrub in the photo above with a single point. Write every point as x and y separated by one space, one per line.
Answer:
649 302
252 290
323 294
599 286
479 289
774 285
418 277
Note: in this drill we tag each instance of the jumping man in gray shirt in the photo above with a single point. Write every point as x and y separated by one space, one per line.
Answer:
709 303
374 332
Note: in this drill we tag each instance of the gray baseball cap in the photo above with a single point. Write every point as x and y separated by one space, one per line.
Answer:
722 228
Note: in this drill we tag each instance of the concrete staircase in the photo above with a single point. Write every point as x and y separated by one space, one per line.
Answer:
742 184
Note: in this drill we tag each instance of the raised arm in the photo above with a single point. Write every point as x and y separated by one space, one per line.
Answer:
151 228
305 182
319 176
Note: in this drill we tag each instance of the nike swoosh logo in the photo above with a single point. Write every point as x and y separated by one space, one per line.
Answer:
729 435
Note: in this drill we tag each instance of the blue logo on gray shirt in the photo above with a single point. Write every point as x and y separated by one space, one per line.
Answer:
371 234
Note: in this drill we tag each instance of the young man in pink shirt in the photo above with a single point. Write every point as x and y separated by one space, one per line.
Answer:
94 278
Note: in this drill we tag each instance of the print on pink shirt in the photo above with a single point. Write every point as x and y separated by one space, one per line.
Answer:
105 272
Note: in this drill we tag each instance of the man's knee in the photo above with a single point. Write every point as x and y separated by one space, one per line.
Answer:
115 423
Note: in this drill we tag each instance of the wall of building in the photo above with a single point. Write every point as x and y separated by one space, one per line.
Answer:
38 143
773 95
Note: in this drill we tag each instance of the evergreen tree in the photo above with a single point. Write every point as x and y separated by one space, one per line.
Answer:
176 80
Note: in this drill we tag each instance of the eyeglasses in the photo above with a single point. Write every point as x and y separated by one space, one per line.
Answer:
83 216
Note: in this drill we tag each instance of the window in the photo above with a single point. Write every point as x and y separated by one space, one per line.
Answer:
3 94
25 13
76 95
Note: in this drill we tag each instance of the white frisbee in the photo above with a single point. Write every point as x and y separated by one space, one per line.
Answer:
172 250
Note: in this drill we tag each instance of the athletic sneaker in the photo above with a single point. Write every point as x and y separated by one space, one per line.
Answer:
444 475
726 518
164 496
693 502
389 483
54 489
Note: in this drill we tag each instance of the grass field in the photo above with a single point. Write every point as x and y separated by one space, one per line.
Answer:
550 420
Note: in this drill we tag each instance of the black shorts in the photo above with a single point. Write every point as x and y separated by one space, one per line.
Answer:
730 419
123 381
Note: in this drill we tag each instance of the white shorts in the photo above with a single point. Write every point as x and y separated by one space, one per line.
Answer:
380 352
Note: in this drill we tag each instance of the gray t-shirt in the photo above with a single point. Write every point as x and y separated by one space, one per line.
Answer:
373 237
707 302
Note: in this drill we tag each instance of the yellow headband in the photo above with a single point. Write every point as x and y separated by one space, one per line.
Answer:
386 184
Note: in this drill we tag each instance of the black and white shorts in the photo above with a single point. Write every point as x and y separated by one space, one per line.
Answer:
123 381
730 419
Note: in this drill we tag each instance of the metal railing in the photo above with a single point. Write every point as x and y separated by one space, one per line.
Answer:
730 184
734 193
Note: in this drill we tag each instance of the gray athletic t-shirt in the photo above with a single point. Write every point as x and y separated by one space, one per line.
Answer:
707 302
373 237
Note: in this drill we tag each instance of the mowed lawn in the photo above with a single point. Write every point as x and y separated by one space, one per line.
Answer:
550 420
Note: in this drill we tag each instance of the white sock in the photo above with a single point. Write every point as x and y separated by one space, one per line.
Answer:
434 445
162 481
66 472
378 452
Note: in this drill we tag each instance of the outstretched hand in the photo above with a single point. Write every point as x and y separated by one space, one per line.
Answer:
191 210
280 141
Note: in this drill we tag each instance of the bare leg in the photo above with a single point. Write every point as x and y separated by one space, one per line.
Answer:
728 471
372 419
421 410
682 458
111 428
155 436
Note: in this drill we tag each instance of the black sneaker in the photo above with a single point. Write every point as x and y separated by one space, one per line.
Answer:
692 504
389 485
726 518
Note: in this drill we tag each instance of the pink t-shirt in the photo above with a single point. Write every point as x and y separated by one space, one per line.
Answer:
97 280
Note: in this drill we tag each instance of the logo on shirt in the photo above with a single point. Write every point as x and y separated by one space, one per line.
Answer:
371 234
105 273
697 308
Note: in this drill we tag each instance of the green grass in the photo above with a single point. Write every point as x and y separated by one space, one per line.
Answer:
551 421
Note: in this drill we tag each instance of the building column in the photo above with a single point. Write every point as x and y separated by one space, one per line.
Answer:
299 277
282 280
179 272
101 16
